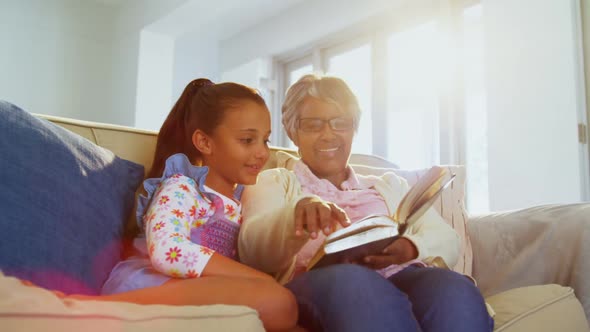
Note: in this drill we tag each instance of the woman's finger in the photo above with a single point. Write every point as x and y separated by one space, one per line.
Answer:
325 218
302 221
339 215
299 219
315 215
311 219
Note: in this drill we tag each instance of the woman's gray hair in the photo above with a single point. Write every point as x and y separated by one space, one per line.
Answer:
329 89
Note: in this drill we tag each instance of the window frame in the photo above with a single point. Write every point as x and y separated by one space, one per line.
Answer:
447 13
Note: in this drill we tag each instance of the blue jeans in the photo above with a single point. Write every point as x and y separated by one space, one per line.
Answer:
346 298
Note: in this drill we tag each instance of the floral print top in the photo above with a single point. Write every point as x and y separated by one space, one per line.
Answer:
177 205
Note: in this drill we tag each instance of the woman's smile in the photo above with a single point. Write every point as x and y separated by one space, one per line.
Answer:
328 153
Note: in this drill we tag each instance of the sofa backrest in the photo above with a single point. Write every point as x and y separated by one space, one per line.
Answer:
138 145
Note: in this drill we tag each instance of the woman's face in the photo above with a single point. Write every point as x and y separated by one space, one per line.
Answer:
324 146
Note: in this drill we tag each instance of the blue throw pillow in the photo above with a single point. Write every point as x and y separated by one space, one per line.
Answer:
63 204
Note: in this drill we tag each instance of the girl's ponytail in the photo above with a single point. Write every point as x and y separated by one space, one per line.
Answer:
172 138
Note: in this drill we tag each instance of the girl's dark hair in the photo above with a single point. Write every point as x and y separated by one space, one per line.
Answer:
201 105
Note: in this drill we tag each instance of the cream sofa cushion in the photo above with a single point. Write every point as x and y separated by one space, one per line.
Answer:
30 308
536 245
543 308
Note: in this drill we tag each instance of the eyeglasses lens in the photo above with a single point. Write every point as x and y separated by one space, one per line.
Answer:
316 124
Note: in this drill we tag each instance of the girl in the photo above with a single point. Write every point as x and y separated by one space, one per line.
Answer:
186 254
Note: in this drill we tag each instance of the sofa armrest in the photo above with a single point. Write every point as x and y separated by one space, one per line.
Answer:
31 308
538 245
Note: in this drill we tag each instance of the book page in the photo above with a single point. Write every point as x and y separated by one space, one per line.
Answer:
369 229
428 198
369 235
410 202
360 226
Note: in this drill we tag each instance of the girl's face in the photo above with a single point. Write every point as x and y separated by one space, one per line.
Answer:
324 138
238 148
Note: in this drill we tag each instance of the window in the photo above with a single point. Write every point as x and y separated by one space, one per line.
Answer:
297 73
419 83
413 97
293 72
354 67
476 146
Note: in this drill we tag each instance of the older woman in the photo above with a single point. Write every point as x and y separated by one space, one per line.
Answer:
288 213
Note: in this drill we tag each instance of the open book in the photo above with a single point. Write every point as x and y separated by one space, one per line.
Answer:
374 233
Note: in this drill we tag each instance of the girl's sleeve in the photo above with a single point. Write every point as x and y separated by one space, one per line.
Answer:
167 228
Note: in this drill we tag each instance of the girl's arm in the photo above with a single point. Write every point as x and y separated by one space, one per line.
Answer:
167 227
221 266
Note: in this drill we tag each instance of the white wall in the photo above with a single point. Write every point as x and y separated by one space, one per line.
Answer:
56 56
300 25
196 55
532 104
78 59
249 73
133 17
154 80
195 26
166 65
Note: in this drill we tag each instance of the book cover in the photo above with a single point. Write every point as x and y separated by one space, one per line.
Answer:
374 233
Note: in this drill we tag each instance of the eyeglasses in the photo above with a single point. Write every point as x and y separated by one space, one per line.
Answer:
312 125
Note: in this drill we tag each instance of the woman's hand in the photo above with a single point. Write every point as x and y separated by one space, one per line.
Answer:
314 214
398 252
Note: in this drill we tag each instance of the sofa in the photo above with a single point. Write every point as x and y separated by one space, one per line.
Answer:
54 244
